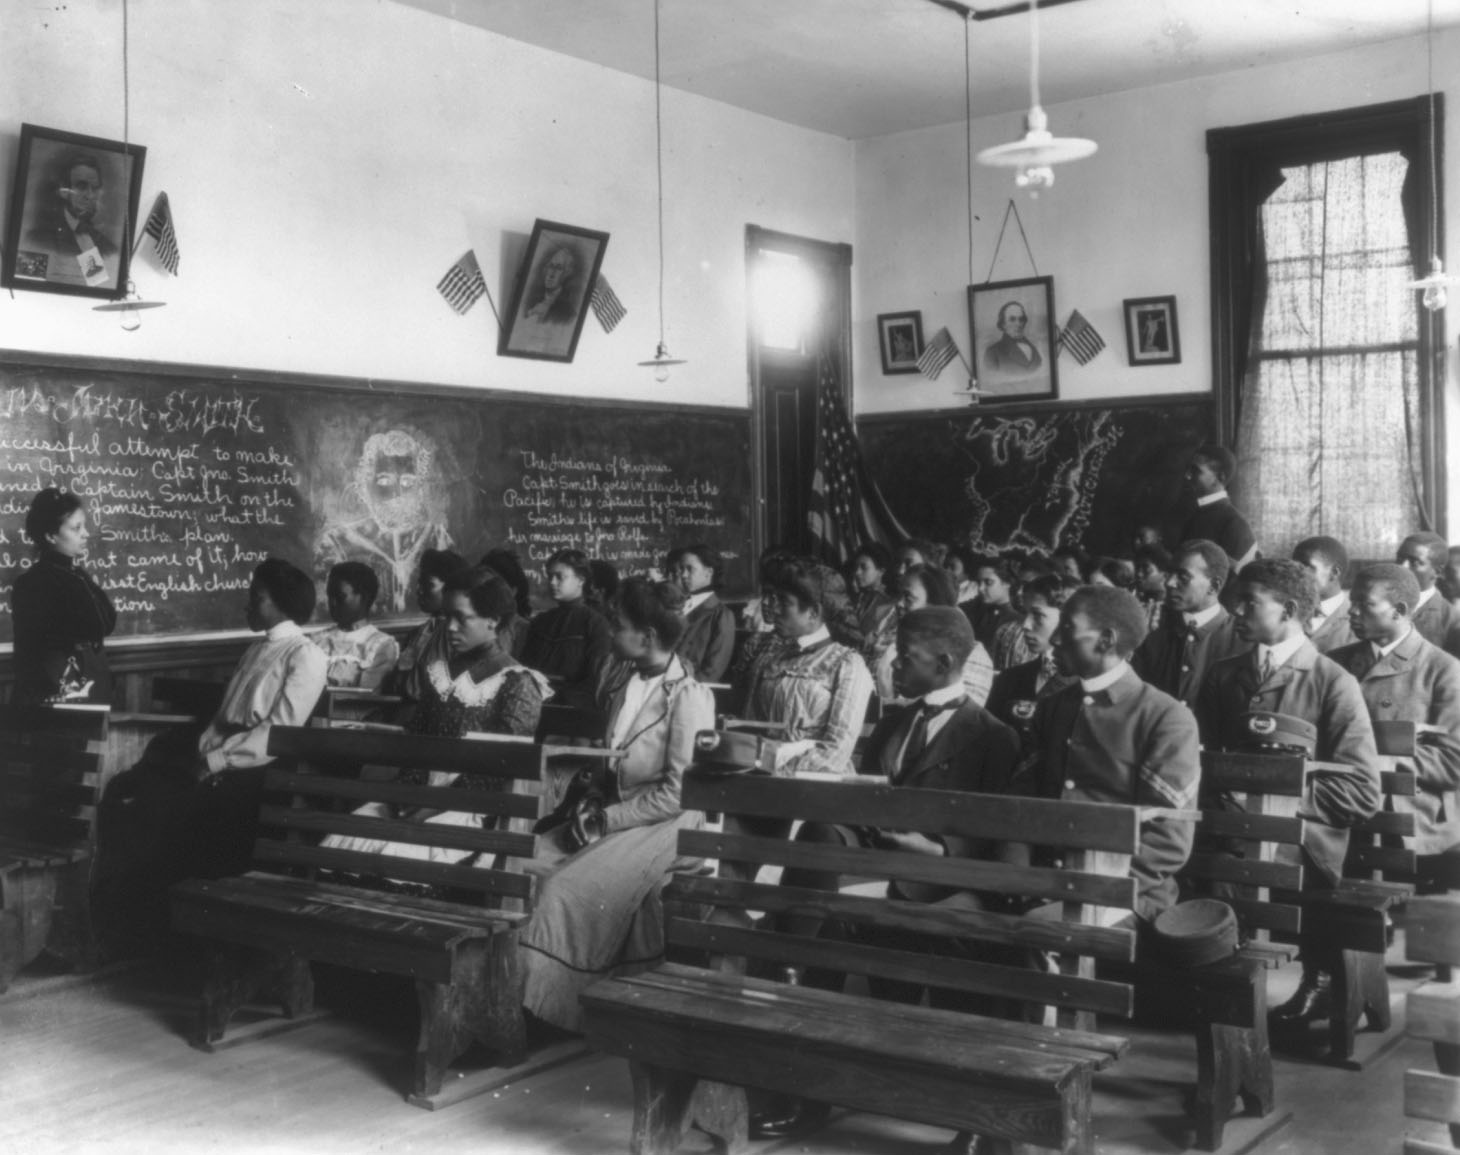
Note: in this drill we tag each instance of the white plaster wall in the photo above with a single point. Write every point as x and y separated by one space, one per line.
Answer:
327 160
1129 222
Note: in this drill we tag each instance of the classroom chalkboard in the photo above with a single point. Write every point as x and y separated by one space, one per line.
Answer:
191 476
1029 478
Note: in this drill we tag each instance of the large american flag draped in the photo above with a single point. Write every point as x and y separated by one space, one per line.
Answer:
846 508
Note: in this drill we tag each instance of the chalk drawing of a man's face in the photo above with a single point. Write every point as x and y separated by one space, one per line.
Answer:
394 478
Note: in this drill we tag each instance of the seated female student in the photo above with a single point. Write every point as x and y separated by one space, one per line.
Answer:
816 688
929 585
570 642
708 641
1017 690
597 911
359 653
427 642
477 687
876 609
505 564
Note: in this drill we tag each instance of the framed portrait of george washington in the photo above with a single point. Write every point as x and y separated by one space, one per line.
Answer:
73 214
550 300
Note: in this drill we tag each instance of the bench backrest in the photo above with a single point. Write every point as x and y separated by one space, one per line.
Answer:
1376 845
557 722
1095 841
191 696
1271 784
50 764
317 770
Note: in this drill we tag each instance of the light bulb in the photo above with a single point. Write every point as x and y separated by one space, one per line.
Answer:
661 373
1434 298
131 320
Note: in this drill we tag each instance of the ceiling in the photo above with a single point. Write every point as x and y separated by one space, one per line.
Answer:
862 68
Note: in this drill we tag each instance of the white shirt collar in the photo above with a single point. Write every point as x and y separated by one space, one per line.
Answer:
1281 653
1202 617
943 695
1105 680
285 629
1385 651
1212 498
694 601
1425 596
1328 606
806 641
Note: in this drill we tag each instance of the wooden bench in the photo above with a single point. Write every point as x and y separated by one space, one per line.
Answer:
197 699
50 765
458 942
1432 935
696 1037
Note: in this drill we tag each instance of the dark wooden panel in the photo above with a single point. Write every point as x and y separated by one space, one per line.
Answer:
1253 827
913 917
1390 861
1246 871
270 853
473 801
1044 822
959 873
1432 929
952 974
1255 773
399 830
323 745
1397 782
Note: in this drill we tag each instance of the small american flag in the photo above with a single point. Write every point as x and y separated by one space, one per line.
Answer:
1080 338
606 306
164 236
937 354
846 509
463 285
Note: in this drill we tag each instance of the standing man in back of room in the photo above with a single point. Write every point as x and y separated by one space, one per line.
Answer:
1212 469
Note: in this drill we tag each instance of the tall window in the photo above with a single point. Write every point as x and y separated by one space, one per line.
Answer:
1327 392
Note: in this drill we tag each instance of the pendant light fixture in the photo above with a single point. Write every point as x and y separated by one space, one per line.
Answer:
661 361
1034 156
1436 284
129 302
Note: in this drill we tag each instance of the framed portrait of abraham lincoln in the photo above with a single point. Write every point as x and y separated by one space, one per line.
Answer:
73 213
1013 328
551 297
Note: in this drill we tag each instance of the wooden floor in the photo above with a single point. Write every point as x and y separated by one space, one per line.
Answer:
101 1066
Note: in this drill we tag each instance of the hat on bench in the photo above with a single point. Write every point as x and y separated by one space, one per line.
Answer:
1195 933
1265 729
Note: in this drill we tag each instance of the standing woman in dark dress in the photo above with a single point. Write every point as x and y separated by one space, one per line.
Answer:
570 642
708 641
61 615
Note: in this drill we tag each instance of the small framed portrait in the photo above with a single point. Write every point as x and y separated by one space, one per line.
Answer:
550 301
900 337
1013 329
1150 331
73 214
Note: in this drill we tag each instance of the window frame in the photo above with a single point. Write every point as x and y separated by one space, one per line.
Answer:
1235 158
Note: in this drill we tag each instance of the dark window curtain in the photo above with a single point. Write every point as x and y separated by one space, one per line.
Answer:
1265 178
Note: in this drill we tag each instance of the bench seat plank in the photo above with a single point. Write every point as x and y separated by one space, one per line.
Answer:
1433 1013
471 801
933 1025
1432 929
395 867
399 830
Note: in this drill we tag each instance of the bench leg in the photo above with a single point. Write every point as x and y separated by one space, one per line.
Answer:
662 1108
73 932
1447 1062
1081 1137
1231 1063
10 961
720 1109
1360 991
484 1005
236 977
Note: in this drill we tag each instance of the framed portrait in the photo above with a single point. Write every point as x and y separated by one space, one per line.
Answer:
1012 323
900 337
73 214
1150 331
550 301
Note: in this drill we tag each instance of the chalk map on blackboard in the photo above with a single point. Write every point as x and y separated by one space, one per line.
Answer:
1029 479
190 481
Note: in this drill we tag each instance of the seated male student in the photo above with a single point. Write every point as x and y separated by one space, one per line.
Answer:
1426 555
1017 690
1405 677
939 740
1110 737
1328 628
1212 469
1283 674
1196 629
